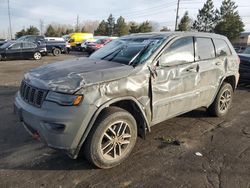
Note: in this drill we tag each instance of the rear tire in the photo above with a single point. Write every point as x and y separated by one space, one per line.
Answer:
111 139
222 102
37 56
56 52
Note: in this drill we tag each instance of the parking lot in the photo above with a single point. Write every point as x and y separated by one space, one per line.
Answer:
166 158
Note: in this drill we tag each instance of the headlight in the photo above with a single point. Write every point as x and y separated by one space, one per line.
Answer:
64 99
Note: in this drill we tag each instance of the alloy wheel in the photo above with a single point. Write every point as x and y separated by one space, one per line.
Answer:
115 140
37 56
225 100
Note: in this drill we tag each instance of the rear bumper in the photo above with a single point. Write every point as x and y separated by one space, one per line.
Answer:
59 127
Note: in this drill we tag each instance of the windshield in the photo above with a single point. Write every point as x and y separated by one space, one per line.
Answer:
5 45
134 50
23 38
247 51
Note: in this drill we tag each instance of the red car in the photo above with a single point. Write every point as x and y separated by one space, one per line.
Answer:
93 46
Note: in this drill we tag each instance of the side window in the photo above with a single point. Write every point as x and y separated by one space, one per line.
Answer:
16 46
181 51
28 45
204 49
221 47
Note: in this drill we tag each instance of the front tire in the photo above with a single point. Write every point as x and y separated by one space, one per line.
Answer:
37 56
112 138
222 102
56 52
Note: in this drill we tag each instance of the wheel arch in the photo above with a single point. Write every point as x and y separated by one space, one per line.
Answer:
129 104
231 79
56 47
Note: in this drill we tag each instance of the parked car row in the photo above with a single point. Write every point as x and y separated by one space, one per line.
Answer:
56 45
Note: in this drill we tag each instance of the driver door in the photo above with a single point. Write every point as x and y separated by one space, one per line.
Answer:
175 84
14 51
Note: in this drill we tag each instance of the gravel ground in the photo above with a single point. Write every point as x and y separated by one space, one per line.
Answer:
224 144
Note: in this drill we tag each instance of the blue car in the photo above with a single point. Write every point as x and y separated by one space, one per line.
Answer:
245 65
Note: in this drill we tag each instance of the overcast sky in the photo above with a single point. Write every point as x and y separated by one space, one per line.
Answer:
27 12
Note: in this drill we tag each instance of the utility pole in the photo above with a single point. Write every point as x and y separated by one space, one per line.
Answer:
177 15
77 23
10 29
41 23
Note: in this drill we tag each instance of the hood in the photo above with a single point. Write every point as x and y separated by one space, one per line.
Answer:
69 76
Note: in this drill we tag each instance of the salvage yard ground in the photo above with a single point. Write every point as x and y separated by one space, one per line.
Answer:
224 145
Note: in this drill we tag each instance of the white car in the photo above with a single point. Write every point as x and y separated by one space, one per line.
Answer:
54 39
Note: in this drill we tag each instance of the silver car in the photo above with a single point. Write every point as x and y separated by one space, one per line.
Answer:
100 104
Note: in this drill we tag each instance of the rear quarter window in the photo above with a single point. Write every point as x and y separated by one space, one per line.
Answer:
221 47
204 48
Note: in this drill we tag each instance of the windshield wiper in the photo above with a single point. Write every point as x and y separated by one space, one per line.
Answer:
115 52
139 54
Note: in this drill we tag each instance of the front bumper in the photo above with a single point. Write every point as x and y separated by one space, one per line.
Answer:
59 127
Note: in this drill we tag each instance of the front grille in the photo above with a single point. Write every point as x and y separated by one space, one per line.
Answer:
32 95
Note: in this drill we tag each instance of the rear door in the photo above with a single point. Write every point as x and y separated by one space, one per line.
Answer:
28 49
174 88
211 69
14 51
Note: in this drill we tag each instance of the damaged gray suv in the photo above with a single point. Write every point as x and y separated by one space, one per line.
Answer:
101 103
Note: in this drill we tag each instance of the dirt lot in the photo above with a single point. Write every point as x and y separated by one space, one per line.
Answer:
223 142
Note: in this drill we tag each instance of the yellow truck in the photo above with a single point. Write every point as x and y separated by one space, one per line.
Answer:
76 39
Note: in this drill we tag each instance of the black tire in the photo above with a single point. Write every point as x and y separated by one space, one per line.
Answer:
98 148
37 55
56 52
221 103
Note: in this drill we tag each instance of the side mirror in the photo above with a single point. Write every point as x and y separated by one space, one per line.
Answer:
39 42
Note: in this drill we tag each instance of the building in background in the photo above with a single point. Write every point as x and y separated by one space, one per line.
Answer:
243 40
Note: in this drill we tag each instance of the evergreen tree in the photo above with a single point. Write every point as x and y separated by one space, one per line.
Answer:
20 33
145 27
205 18
29 31
50 32
121 27
111 25
32 31
229 20
134 28
102 29
185 23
